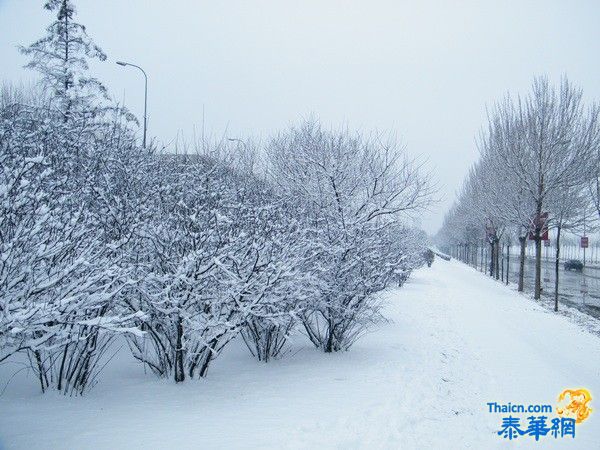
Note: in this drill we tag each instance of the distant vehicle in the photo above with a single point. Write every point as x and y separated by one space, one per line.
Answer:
574 264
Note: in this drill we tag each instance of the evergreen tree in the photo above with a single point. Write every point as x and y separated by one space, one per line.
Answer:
61 57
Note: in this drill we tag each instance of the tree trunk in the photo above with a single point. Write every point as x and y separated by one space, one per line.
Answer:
481 265
486 259
502 258
497 261
507 261
330 330
523 242
556 269
41 370
179 373
538 266
492 259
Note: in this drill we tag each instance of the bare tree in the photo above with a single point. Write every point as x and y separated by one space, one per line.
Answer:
552 149
568 208
535 149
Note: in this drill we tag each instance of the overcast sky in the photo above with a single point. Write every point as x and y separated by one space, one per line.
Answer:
424 70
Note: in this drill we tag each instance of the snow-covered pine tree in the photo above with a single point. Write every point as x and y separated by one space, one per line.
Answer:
61 58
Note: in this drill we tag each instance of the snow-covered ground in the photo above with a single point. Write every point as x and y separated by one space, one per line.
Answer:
456 340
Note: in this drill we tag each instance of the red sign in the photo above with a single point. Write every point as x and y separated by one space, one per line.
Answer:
541 223
584 242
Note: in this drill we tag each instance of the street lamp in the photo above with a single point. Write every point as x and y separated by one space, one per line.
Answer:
121 63
239 141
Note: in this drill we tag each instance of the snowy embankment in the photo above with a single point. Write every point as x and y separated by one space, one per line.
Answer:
456 341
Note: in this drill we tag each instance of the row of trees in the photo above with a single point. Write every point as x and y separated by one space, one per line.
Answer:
101 239
539 168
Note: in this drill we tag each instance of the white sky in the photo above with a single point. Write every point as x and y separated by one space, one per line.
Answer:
422 69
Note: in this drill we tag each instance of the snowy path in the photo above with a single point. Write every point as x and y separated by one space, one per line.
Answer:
457 340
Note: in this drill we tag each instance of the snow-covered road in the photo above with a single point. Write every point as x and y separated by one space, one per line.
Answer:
456 341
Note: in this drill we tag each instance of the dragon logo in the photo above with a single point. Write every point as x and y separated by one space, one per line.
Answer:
573 403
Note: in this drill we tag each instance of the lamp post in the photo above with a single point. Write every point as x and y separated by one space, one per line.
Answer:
239 141
121 63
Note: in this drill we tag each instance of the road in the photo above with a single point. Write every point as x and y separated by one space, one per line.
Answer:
578 289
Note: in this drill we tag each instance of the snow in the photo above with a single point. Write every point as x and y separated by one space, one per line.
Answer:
456 340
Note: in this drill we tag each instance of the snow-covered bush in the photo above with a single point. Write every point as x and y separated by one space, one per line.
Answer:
407 246
350 190
58 283
203 260
101 238
280 286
